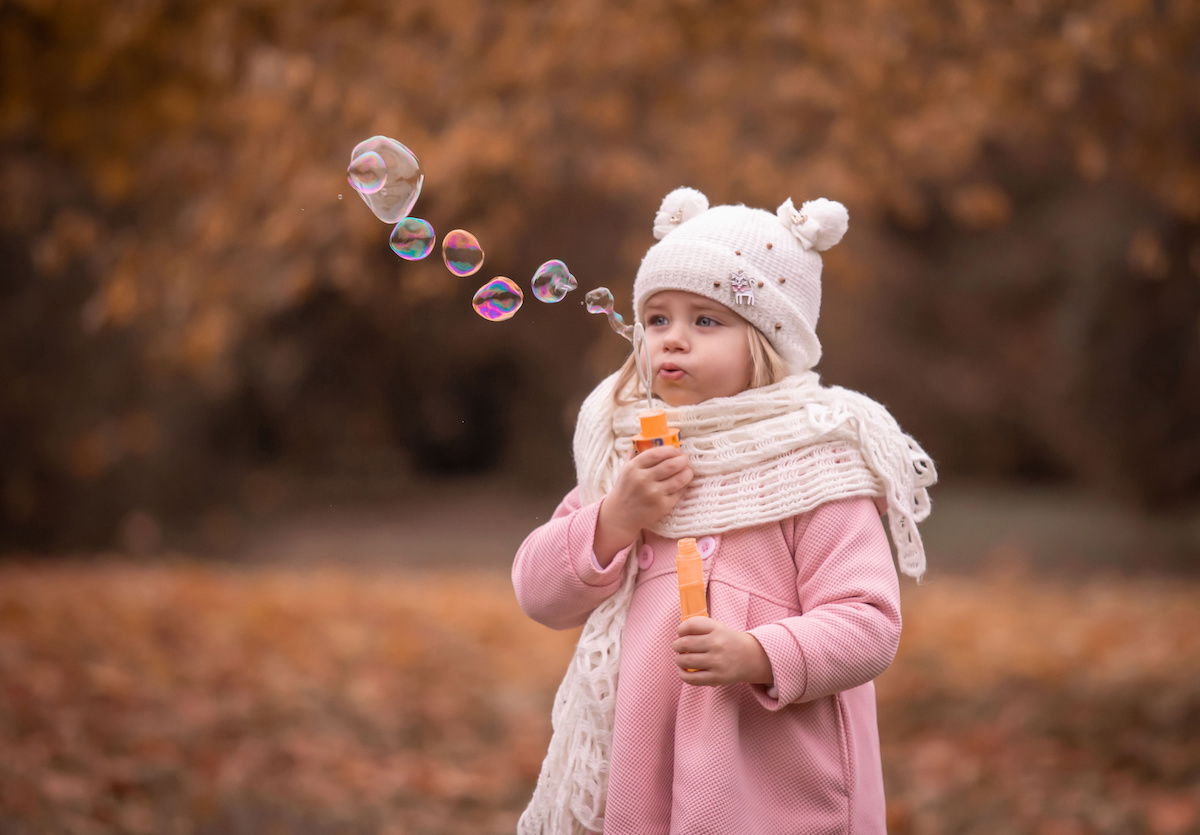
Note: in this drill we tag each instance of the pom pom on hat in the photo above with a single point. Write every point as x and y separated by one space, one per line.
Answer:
819 224
680 205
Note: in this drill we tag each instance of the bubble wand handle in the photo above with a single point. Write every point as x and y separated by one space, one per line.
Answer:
690 569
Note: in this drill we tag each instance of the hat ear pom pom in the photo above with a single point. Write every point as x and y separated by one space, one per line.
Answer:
680 205
818 224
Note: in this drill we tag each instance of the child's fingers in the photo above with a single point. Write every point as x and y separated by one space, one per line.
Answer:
669 470
691 643
677 482
696 626
692 661
656 455
700 678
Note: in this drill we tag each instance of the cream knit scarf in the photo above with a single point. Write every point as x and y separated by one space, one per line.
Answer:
760 456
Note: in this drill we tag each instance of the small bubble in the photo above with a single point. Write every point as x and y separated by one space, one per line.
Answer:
498 300
339 197
461 252
552 282
412 239
367 173
401 185
600 300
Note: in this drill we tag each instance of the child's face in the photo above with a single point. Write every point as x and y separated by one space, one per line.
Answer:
698 348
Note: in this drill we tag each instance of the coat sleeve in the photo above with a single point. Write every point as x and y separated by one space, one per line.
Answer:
556 577
850 598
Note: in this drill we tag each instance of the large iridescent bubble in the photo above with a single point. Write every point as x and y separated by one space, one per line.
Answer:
462 253
600 300
367 173
412 239
400 187
498 300
552 282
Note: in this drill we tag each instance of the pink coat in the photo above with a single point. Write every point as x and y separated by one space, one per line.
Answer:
819 592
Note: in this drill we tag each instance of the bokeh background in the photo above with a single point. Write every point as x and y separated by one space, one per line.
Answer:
262 480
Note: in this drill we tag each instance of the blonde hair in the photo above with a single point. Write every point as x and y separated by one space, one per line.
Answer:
766 367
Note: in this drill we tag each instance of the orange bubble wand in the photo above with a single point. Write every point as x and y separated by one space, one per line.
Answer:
691 582
690 569
655 431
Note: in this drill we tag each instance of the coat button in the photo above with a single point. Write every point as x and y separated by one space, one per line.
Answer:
645 556
707 546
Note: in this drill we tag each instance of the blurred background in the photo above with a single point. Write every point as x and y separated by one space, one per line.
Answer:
263 480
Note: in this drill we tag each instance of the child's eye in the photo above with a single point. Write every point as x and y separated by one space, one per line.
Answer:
706 321
656 319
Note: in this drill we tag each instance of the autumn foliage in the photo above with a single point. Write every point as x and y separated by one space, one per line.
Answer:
190 698
196 312
188 298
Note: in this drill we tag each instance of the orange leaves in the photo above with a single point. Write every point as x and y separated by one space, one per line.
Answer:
1025 704
176 172
208 694
980 205
190 698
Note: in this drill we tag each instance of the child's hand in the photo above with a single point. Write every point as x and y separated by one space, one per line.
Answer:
648 488
719 654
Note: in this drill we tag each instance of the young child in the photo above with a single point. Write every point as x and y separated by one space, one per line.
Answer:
759 719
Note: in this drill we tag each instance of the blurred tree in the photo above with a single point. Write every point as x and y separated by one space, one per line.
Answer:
191 287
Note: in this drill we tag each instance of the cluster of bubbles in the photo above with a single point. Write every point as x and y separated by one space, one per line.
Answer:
388 177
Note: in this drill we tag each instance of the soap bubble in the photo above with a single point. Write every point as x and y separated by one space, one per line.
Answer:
395 198
412 239
367 173
461 252
498 300
600 300
552 282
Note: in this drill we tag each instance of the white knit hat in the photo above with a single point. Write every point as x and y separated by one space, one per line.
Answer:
763 266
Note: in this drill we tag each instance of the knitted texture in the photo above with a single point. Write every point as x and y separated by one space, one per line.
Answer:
762 455
764 266
571 788
769 453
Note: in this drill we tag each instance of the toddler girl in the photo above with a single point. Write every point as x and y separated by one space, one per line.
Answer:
759 719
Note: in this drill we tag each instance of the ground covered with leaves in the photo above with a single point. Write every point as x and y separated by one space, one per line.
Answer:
184 697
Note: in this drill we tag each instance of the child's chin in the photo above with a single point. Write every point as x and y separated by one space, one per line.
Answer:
678 398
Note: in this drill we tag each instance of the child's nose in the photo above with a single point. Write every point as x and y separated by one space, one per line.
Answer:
675 338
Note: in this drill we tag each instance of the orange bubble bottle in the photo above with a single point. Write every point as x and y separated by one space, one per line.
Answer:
655 431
